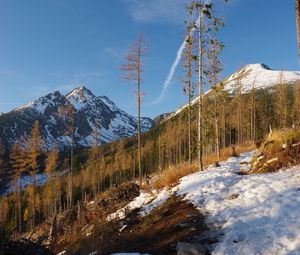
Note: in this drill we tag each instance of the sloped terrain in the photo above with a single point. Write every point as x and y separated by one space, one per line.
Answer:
88 110
279 150
220 210
246 214
257 76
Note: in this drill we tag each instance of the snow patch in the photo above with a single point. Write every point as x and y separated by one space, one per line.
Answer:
138 202
159 200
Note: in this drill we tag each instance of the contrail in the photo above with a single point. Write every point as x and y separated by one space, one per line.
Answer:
172 71
174 65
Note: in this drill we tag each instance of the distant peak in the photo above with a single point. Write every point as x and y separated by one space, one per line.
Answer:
257 66
81 91
82 88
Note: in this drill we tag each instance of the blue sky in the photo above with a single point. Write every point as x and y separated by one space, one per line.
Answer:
48 45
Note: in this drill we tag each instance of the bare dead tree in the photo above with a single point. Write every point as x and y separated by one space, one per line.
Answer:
297 7
67 113
133 70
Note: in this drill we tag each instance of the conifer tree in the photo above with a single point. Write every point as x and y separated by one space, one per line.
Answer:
281 98
67 113
133 70
19 164
4 210
213 70
187 82
51 167
223 99
34 144
239 110
206 25
94 159
253 111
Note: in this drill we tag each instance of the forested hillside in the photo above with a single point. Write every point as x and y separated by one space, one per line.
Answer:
241 117
218 175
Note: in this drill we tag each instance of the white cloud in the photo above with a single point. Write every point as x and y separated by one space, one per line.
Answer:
157 11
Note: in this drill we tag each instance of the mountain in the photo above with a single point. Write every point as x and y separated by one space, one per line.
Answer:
88 109
259 76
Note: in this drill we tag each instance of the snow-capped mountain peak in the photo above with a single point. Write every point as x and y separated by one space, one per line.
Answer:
80 92
80 97
257 66
41 104
89 110
259 76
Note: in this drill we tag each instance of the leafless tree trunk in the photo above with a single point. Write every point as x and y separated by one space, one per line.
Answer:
68 114
133 69
200 80
297 6
253 110
239 109
217 133
139 117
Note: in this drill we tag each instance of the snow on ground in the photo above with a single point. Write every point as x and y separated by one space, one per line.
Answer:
255 214
159 200
260 76
143 199
258 214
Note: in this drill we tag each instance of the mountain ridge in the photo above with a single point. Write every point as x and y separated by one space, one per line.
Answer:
88 109
258 75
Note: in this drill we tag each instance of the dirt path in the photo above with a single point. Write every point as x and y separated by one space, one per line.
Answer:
160 231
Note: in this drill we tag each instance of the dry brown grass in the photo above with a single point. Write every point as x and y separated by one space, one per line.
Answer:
170 176
281 149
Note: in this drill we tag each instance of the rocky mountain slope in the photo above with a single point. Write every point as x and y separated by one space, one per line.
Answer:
88 110
258 76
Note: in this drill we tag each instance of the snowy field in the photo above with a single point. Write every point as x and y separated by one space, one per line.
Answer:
249 214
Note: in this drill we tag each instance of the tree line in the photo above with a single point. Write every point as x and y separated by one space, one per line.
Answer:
217 120
241 117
